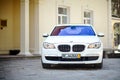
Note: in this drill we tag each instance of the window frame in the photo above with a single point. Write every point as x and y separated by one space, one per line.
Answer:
60 20
86 19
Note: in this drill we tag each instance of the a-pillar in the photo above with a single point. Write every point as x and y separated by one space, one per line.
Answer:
37 27
24 25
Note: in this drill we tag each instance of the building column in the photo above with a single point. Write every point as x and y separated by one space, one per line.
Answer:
37 27
110 37
24 33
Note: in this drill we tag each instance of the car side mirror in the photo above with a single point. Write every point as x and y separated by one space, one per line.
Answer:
45 35
100 35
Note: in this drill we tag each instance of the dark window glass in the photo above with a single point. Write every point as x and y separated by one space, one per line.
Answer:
116 34
64 19
115 8
62 11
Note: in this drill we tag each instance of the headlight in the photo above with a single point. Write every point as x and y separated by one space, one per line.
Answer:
94 45
48 45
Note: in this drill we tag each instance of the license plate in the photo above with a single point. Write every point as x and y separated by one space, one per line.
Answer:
71 55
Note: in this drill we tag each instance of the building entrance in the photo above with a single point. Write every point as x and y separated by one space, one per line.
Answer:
116 34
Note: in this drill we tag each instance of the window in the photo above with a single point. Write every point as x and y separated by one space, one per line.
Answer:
73 31
88 17
115 8
63 15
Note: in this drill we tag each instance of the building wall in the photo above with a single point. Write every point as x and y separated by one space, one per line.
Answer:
48 16
16 24
10 35
32 27
10 10
115 20
6 34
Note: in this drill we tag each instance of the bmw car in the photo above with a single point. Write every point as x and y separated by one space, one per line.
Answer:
72 44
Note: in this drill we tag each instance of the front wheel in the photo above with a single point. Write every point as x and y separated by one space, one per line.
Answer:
46 65
99 66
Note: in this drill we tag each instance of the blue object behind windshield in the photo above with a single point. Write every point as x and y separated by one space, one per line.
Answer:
73 31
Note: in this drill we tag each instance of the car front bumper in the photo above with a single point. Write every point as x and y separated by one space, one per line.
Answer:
87 57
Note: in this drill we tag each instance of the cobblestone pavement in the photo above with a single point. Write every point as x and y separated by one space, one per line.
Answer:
31 69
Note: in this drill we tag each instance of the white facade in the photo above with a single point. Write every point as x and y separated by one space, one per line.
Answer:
27 20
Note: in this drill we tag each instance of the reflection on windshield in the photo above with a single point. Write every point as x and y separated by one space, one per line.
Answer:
73 31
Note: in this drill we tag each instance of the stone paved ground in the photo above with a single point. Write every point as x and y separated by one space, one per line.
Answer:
31 69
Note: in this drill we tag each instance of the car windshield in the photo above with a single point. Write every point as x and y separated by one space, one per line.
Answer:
73 31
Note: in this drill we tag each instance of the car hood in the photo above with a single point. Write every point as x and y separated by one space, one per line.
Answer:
72 39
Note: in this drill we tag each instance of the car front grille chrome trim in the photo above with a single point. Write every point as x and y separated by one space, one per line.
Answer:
67 48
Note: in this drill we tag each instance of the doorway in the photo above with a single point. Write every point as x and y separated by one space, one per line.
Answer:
116 34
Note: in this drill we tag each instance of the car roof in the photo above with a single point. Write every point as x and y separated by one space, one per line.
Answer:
73 25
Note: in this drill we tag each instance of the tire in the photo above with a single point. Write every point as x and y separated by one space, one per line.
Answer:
46 65
98 66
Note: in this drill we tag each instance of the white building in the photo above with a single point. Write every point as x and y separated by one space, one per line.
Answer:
22 22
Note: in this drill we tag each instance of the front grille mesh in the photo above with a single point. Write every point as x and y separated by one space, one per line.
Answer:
78 48
67 48
64 48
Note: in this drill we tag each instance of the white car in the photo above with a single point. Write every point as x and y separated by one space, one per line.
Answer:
72 44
